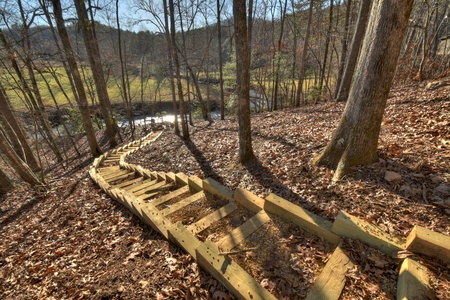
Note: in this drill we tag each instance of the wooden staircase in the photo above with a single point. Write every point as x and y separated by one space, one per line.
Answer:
163 200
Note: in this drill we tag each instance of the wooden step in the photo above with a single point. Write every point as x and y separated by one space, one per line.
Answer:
142 185
110 175
213 217
105 170
119 177
236 236
160 186
170 196
331 280
180 204
129 182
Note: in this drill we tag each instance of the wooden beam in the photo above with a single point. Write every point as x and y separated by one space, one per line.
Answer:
236 236
331 280
142 185
195 183
120 177
181 179
230 274
160 186
129 182
301 217
413 282
171 195
215 216
215 188
352 227
249 200
153 217
430 243
179 234
180 204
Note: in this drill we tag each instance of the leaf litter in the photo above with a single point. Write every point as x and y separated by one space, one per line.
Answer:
72 241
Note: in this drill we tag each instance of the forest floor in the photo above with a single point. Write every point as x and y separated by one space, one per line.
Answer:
71 241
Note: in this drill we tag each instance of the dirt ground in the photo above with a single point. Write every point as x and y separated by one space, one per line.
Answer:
70 241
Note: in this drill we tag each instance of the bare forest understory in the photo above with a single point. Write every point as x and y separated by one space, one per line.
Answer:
71 241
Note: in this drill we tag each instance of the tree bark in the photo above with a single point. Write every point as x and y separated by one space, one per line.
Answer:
5 183
347 78
355 140
17 163
301 75
80 93
219 38
243 81
17 135
344 47
95 62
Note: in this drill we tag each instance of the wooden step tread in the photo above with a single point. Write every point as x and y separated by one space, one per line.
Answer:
129 182
142 185
159 186
215 216
236 236
170 196
119 177
110 175
180 204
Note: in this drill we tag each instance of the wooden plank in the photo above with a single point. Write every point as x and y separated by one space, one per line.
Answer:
230 274
129 182
105 170
215 188
113 174
180 204
413 282
179 234
148 196
195 183
161 176
331 280
171 195
181 179
170 177
301 217
143 185
215 216
249 200
120 177
155 219
352 227
158 185
236 236
430 243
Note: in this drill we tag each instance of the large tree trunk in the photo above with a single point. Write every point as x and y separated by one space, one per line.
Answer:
5 183
355 140
347 78
16 162
97 70
80 93
243 81
17 136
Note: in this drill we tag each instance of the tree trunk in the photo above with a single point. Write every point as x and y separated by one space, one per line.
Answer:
17 163
173 50
301 75
219 38
5 183
327 46
355 140
170 58
97 70
17 136
347 78
243 81
78 82
344 47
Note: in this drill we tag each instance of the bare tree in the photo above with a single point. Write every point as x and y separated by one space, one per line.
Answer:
78 82
355 140
95 61
243 81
